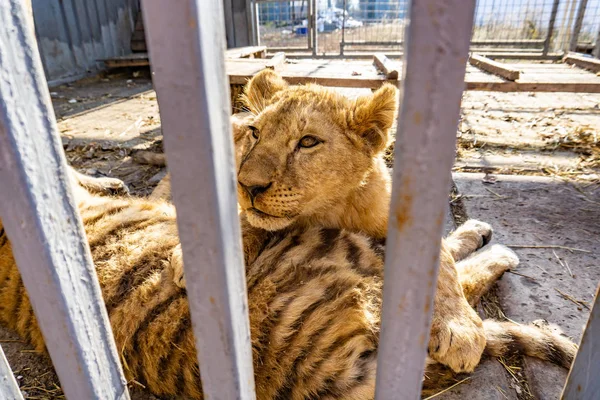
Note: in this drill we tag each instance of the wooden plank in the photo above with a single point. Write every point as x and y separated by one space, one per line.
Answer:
276 62
194 106
583 382
434 76
9 389
388 67
43 224
547 87
244 52
494 67
588 63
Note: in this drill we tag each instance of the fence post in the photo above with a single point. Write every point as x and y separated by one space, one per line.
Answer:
343 42
583 382
578 23
551 26
42 221
187 51
252 21
9 389
437 49
596 51
315 27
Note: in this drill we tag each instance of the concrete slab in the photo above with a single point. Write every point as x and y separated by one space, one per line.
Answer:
488 382
554 228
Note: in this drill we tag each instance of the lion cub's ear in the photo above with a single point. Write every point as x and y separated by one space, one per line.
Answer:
261 89
374 116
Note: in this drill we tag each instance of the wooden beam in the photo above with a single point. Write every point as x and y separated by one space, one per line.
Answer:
276 62
542 87
434 76
494 67
41 219
385 65
591 64
582 382
9 389
193 98
245 52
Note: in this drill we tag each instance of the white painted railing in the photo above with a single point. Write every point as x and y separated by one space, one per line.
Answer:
186 46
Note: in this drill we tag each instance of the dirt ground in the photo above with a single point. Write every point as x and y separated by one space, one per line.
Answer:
104 121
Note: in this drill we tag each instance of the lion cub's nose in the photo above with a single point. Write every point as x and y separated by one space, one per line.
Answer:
255 190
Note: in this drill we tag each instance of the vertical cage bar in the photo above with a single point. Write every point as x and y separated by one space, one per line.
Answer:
41 219
186 44
9 389
434 69
583 382
551 26
577 26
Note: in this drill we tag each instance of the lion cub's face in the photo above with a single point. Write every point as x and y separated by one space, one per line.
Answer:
306 148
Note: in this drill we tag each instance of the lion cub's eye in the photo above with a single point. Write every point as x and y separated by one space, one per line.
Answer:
254 131
308 142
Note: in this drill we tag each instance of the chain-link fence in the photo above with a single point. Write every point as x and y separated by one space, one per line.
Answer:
349 26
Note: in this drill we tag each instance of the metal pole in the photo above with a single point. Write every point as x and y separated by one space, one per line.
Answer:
314 27
309 23
581 384
578 23
343 43
551 25
256 24
596 51
252 28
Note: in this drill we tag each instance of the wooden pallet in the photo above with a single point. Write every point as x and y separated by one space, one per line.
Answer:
142 60
531 77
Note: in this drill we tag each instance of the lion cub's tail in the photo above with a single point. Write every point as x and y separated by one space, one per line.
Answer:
536 340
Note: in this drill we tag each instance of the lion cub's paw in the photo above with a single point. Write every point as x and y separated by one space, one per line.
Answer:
503 255
114 186
177 266
458 342
482 230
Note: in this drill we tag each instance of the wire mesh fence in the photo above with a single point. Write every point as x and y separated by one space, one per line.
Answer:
285 24
348 26
590 26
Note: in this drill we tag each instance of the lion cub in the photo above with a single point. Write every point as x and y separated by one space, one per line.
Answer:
308 156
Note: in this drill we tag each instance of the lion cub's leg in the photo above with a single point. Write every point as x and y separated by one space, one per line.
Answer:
457 335
469 237
481 270
162 191
102 185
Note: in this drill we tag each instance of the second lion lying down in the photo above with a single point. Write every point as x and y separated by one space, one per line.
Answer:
314 195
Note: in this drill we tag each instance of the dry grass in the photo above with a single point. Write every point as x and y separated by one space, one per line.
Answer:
584 141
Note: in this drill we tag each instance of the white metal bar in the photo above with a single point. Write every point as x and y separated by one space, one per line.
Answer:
583 382
434 70
42 222
9 390
186 48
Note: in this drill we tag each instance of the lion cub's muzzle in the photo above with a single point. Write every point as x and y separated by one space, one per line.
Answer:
254 190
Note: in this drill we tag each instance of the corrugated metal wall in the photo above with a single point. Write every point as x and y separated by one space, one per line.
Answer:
74 34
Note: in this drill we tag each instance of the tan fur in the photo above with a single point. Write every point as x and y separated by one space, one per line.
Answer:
343 183
314 291
314 303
